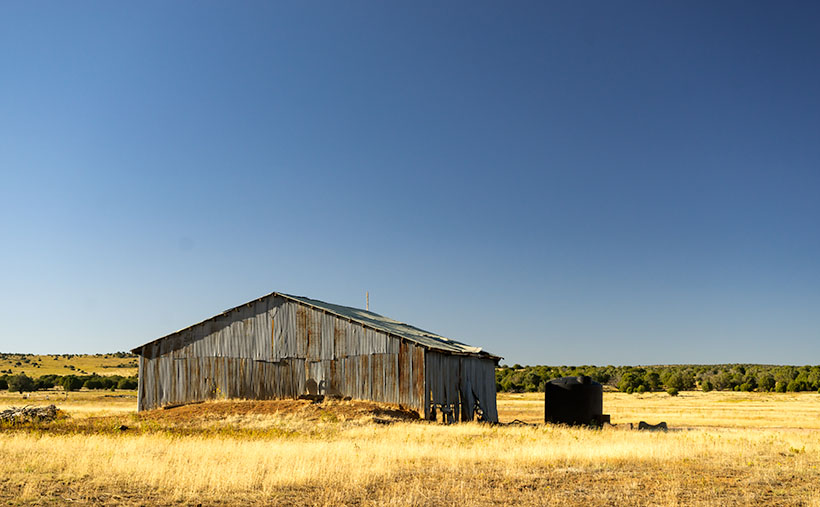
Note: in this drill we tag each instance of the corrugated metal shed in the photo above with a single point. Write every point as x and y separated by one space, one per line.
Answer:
279 345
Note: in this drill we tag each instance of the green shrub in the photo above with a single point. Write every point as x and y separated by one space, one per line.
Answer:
652 381
707 386
630 381
641 389
72 383
766 383
21 383
127 383
795 386
43 383
780 387
672 391
3 384
532 382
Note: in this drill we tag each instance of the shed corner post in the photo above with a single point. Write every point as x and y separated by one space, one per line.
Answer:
427 385
140 382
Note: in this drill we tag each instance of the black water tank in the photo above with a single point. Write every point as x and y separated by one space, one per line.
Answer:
573 400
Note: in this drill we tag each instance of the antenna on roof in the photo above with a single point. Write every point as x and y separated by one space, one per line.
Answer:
367 301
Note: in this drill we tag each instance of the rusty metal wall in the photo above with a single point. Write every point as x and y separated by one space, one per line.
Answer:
170 381
271 348
458 385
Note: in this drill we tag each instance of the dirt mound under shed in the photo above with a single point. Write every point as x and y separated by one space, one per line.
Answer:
329 410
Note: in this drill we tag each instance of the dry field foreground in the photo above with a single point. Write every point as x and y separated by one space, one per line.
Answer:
724 448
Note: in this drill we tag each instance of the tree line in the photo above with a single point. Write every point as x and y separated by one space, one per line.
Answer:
23 383
517 378
672 378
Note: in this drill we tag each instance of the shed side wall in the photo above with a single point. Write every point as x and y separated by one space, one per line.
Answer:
270 349
457 385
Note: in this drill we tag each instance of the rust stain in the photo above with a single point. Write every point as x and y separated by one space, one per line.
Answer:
339 338
418 378
272 337
377 377
404 373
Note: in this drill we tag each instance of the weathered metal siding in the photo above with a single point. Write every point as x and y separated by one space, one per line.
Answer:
270 349
458 385
226 335
141 382
171 381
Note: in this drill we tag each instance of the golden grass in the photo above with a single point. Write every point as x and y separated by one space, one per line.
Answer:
83 403
688 409
58 365
283 459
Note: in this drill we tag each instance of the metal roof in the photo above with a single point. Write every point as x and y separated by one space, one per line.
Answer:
371 320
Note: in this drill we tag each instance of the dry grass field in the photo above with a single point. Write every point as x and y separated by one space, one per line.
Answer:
722 449
689 409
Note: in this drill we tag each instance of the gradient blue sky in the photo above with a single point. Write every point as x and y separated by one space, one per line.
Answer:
558 182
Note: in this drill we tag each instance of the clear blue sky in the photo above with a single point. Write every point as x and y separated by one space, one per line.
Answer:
558 182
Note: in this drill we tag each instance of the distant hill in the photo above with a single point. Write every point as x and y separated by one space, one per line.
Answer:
34 365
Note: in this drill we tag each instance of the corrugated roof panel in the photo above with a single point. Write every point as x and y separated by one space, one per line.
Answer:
391 326
372 320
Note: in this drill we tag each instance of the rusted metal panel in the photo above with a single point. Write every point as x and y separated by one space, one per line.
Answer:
374 342
298 374
365 386
350 365
390 385
356 375
377 377
326 371
340 333
336 383
328 351
272 336
287 339
140 385
302 332
419 386
313 333
318 371
355 343
459 385
393 344
485 385
404 374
